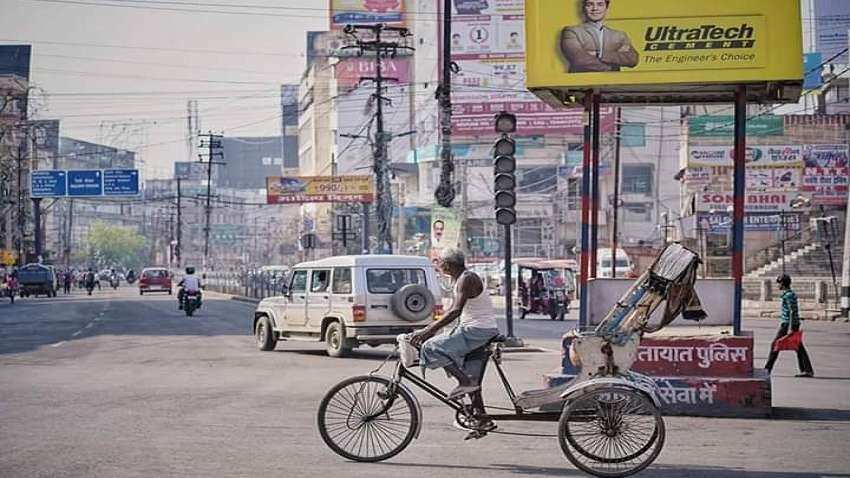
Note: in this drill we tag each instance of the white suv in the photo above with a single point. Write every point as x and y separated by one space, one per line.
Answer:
348 301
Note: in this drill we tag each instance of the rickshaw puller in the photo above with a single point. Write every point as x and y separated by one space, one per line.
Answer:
476 328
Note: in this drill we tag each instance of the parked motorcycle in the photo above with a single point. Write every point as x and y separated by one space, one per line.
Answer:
113 282
191 302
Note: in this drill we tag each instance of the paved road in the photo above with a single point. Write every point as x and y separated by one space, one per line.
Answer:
122 385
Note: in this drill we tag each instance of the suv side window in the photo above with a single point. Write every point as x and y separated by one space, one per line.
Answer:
299 282
342 281
320 281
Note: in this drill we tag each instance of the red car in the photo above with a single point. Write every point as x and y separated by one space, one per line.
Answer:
155 279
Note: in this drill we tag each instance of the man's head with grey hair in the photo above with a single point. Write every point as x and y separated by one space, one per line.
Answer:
452 261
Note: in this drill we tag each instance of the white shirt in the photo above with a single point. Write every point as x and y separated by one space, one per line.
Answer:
191 283
478 312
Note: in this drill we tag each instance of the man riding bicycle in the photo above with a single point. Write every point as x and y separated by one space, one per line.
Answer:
476 328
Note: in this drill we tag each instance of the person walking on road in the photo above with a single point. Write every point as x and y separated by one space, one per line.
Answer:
789 321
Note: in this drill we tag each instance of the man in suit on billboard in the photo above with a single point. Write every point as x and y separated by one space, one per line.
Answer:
595 47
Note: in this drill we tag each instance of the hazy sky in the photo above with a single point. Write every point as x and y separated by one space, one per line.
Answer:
236 86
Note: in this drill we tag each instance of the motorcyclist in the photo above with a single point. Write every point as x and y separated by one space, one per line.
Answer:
189 284
113 278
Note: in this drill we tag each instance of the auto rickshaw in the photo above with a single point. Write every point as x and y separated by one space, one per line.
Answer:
545 287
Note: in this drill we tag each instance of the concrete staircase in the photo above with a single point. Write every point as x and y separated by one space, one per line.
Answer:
811 260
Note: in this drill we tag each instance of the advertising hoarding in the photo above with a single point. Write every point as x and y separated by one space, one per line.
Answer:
757 156
366 11
189 171
826 155
488 45
350 70
15 60
723 126
445 230
655 46
757 179
832 21
312 189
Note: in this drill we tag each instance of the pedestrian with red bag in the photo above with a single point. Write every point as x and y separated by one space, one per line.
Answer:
789 336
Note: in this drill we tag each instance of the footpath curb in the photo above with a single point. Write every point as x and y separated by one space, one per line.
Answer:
237 298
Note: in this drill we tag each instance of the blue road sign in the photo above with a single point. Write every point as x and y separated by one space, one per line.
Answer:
48 184
85 183
121 182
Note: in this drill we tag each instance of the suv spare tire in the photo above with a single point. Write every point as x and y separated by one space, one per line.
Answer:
413 303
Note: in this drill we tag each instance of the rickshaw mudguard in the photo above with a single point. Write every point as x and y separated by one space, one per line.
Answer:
631 380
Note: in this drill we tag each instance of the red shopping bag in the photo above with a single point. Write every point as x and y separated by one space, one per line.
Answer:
791 341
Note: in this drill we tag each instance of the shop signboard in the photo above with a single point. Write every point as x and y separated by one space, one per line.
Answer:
757 156
826 155
366 11
753 202
723 126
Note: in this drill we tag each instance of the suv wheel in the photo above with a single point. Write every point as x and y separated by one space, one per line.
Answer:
265 335
336 343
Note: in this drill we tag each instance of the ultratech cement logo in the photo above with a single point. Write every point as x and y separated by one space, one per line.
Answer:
704 37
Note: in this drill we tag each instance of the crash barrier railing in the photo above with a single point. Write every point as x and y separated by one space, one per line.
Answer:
248 283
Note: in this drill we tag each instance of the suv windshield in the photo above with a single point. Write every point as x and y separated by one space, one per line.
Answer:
387 281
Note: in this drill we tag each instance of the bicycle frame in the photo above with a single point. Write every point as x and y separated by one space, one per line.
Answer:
402 373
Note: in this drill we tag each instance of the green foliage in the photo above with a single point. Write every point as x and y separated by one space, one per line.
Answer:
111 246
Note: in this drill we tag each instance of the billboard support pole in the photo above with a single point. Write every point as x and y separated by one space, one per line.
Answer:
615 232
738 207
594 218
36 206
585 215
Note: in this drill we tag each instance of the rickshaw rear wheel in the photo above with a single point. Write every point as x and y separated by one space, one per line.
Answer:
611 432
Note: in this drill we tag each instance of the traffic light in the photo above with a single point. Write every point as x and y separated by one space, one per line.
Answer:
504 166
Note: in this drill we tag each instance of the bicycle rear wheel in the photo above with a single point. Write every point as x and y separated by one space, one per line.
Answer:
367 419
611 432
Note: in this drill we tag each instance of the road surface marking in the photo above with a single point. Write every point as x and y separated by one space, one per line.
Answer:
76 333
58 344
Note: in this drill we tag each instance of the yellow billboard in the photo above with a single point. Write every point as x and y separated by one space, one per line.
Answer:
305 189
682 49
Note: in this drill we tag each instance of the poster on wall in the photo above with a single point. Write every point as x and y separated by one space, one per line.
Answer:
445 231
825 155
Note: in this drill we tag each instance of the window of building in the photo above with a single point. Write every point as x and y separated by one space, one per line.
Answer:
633 134
635 212
537 180
637 179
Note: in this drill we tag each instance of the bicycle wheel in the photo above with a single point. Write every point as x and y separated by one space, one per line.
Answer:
367 419
611 432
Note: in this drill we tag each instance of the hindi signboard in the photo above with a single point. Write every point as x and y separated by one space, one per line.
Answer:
85 183
121 182
312 189
48 184
757 156
722 126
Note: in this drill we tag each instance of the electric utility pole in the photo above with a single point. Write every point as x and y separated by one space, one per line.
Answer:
382 49
213 144
445 192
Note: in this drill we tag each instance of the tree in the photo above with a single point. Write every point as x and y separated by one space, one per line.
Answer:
111 246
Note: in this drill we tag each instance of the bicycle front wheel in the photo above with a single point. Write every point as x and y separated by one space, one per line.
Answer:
367 419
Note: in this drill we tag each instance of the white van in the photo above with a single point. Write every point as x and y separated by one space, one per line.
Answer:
348 301
623 267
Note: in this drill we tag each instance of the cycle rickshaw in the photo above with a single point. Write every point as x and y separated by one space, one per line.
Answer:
609 419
